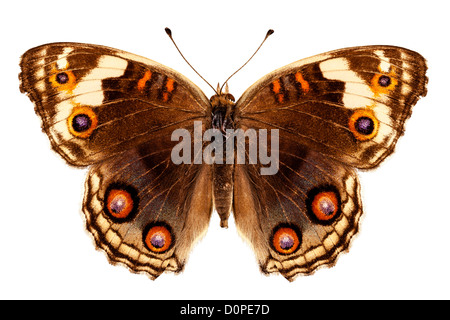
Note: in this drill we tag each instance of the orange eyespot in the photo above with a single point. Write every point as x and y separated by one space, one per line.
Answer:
383 83
324 205
363 124
63 80
82 122
119 203
158 238
286 239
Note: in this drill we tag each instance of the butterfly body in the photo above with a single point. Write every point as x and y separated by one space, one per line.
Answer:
320 119
222 106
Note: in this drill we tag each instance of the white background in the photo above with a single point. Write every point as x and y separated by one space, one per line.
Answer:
402 250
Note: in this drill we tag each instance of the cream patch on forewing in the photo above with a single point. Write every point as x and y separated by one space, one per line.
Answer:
406 75
62 62
335 64
40 73
40 86
406 66
384 65
357 92
406 90
89 88
382 113
58 129
40 62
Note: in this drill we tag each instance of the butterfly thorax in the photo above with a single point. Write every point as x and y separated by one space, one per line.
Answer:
222 111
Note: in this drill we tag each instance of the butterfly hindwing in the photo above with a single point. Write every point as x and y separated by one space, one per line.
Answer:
303 216
145 211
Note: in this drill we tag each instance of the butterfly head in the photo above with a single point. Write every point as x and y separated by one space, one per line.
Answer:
222 97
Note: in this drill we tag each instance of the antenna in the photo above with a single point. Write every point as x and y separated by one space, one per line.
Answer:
219 89
169 33
269 32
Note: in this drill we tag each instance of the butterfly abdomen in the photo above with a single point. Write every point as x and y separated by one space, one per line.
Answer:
223 191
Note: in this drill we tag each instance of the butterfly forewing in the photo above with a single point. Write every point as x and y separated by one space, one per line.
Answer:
96 102
349 104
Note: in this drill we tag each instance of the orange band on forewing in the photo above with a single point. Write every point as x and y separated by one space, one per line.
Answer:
167 91
304 84
276 86
141 83
280 97
170 85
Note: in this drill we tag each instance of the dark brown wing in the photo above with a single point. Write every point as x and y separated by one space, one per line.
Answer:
349 104
145 211
335 111
117 112
303 216
96 102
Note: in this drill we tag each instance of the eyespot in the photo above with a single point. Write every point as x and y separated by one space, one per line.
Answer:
121 202
383 83
363 124
158 237
324 204
286 239
82 122
63 80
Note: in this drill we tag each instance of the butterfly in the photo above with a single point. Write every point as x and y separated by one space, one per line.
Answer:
117 112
